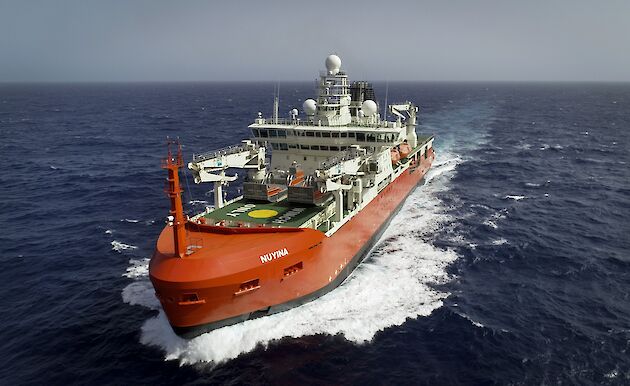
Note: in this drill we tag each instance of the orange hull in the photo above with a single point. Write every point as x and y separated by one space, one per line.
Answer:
244 273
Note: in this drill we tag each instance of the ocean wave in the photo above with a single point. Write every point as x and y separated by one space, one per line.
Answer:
130 220
364 304
515 198
119 247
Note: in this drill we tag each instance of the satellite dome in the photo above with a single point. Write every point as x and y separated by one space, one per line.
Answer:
369 108
309 106
333 64
294 112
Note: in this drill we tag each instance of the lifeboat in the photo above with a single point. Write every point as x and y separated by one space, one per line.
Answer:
395 154
404 150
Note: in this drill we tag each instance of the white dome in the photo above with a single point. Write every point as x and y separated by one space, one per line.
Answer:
333 64
369 108
295 112
309 106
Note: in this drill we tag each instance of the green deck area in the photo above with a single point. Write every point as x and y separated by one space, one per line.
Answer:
270 213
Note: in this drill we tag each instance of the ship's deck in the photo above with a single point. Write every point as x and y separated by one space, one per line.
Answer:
281 213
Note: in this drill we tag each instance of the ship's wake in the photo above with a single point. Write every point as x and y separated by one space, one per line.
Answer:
396 282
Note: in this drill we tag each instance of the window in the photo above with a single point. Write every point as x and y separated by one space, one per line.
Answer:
371 137
263 133
282 133
304 147
326 134
284 146
314 147
351 135
334 148
361 137
344 135
255 133
289 133
318 134
325 148
310 134
292 146
335 135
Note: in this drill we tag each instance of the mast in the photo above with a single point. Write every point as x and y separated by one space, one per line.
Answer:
172 163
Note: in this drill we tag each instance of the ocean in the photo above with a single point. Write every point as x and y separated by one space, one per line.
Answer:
509 265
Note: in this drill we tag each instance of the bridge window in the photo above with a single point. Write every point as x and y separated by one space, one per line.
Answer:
325 148
326 134
292 146
304 147
371 137
310 134
263 133
351 135
273 133
318 134
255 133
314 147
334 148
335 135
289 133
361 137
282 133
344 135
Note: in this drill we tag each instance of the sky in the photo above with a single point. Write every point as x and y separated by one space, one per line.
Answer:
424 40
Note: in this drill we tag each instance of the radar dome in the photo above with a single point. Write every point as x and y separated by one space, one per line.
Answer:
333 64
309 106
294 112
369 108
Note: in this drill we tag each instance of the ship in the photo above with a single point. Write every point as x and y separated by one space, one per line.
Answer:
309 213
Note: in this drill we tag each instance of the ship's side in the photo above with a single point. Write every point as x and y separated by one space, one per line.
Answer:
304 222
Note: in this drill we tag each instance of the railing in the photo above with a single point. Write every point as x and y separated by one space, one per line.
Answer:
342 157
318 123
223 151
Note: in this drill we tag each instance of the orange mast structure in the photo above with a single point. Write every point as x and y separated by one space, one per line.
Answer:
172 163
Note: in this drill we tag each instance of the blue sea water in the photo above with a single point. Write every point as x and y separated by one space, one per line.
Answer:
509 265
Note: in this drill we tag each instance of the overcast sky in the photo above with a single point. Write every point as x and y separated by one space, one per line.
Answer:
155 40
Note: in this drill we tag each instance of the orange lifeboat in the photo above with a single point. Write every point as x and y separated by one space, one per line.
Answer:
395 156
405 150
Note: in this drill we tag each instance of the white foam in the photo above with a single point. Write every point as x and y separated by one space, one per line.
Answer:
532 185
119 247
130 220
515 198
474 323
109 232
393 284
491 224
500 241
137 269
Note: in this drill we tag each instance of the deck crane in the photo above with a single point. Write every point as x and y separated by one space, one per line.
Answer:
211 167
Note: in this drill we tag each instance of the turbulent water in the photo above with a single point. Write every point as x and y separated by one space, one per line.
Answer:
510 264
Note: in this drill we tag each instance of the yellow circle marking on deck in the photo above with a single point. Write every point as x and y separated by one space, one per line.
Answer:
262 213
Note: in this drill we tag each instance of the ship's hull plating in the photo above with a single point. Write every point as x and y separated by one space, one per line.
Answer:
227 282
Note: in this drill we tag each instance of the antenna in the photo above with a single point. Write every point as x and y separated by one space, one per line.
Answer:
276 100
386 95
